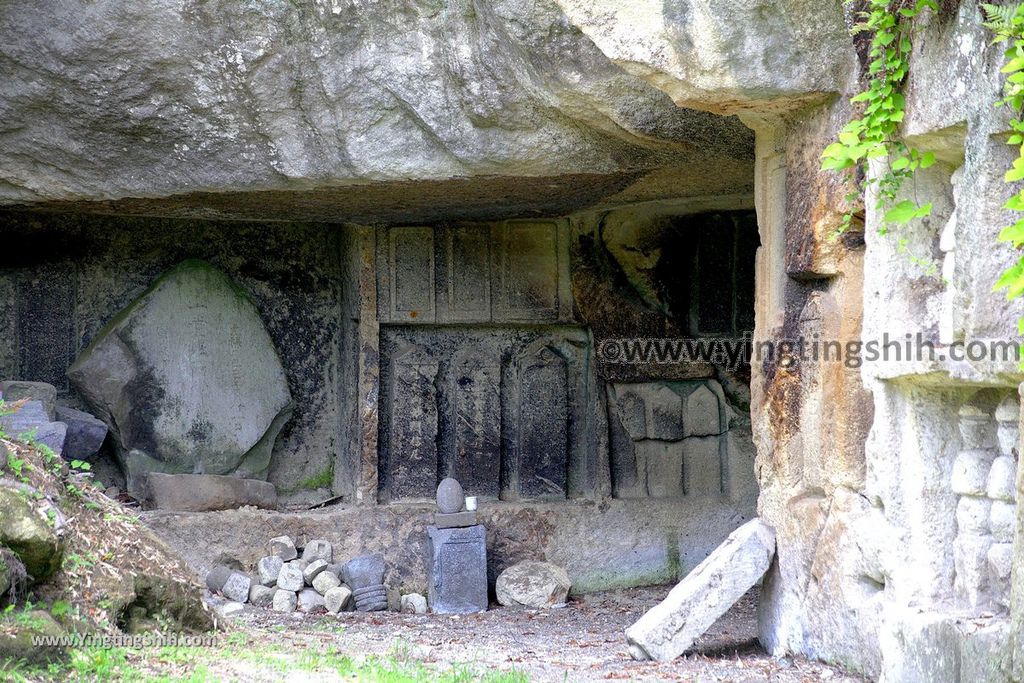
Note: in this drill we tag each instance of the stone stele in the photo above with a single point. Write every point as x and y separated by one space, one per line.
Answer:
671 627
187 379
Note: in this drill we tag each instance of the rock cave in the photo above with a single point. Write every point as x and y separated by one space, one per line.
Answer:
274 272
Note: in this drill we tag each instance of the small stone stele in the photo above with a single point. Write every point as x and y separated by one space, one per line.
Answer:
457 570
285 601
450 496
283 547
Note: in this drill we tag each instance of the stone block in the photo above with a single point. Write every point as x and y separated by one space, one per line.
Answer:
262 596
338 599
269 568
977 429
672 626
972 515
312 570
661 466
455 519
46 394
970 472
1002 521
85 433
318 550
237 587
1002 477
308 600
533 584
207 492
325 581
31 416
283 547
285 601
457 570
290 579
414 603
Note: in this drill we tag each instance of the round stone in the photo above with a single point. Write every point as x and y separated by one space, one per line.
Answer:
450 497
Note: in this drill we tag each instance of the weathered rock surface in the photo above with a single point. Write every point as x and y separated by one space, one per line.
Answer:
217 577
312 570
507 89
363 571
318 550
206 492
325 581
19 646
533 584
85 433
262 596
670 627
223 415
29 533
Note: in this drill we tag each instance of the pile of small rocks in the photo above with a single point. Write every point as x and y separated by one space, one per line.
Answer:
285 581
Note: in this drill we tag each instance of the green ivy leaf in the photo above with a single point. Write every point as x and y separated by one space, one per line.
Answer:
902 213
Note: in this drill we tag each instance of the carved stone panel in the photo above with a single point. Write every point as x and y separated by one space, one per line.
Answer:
412 426
539 445
526 286
410 274
465 280
499 409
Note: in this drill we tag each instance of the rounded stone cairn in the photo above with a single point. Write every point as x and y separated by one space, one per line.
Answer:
450 497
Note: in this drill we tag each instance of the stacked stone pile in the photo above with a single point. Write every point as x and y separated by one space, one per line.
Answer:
307 579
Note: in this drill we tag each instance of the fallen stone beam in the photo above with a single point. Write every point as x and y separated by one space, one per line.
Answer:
669 628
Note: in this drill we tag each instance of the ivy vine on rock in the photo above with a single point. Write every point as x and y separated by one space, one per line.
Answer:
874 135
1007 23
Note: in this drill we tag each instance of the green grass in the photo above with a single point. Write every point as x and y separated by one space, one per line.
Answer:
270 661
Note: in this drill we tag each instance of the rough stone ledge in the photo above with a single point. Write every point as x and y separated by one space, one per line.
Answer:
602 545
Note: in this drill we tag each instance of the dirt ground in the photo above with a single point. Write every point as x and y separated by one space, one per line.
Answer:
582 642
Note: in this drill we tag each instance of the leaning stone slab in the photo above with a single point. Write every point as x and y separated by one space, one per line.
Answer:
85 433
188 379
672 626
206 492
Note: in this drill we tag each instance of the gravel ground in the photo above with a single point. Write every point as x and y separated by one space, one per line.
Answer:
582 642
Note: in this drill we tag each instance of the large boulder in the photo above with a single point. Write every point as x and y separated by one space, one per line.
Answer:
85 433
672 626
533 584
29 533
187 379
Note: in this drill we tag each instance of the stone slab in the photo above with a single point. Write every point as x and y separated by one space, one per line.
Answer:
455 519
671 627
207 492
